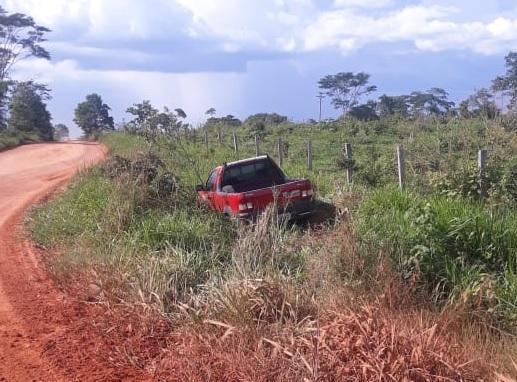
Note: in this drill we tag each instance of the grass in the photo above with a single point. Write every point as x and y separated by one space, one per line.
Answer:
9 139
455 248
389 260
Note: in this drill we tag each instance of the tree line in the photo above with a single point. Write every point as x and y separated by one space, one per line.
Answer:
347 89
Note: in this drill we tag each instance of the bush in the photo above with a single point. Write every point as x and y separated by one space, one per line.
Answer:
10 139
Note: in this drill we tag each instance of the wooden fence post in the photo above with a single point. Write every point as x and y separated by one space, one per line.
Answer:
280 152
401 160
206 138
309 155
482 159
257 146
235 144
348 157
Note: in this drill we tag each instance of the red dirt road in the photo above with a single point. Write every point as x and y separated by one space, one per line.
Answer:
34 315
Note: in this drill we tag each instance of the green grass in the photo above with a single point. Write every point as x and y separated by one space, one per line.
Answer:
78 212
455 247
9 139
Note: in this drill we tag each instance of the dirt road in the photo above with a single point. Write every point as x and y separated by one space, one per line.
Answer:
33 313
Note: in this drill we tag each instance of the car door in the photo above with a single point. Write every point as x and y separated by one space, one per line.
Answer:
209 193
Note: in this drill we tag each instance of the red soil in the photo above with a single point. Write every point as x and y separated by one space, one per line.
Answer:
43 335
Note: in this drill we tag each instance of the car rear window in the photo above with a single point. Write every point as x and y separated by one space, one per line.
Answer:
248 176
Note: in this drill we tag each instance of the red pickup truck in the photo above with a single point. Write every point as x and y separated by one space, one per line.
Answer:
244 188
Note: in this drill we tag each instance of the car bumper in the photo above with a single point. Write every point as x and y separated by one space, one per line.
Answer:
296 210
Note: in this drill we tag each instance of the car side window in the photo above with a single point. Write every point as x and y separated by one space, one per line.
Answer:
211 181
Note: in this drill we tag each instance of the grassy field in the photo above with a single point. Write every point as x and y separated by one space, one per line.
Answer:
401 263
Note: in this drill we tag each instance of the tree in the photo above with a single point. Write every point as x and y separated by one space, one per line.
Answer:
151 122
346 89
365 112
480 104
388 106
92 116
228 121
4 99
20 38
432 102
61 131
508 83
269 119
142 112
180 113
210 112
28 112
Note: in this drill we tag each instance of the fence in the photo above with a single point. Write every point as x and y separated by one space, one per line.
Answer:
279 150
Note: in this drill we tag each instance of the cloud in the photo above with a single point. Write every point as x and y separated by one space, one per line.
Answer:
428 28
266 26
362 3
98 20
194 92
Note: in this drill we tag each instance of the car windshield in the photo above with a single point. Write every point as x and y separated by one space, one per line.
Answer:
247 176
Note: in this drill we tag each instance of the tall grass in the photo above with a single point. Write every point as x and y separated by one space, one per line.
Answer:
456 249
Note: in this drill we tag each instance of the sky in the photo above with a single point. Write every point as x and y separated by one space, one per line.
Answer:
247 56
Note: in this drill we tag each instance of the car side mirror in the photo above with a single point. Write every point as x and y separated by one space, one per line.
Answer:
200 187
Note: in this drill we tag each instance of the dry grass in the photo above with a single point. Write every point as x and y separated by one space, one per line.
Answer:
366 343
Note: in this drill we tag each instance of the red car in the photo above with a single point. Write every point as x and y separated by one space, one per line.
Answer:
244 188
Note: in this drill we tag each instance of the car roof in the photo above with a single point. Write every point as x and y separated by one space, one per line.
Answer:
247 160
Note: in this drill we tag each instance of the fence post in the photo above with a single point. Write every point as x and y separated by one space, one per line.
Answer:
219 135
348 156
235 144
257 146
309 155
280 152
482 159
401 160
206 138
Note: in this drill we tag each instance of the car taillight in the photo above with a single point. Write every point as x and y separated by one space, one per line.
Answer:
245 206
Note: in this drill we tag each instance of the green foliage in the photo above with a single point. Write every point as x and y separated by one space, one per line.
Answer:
152 123
388 106
267 119
61 131
20 38
453 247
92 116
78 212
432 102
27 112
480 104
10 139
508 82
228 121
366 112
4 98
346 89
